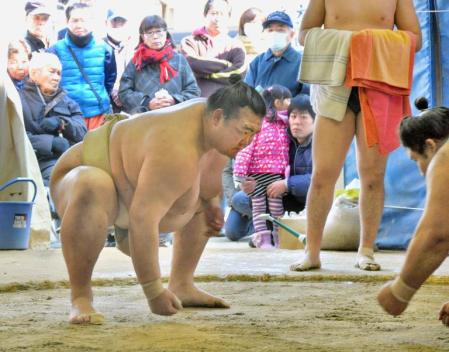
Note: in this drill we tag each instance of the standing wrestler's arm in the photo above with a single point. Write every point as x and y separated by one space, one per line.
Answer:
430 244
158 187
313 17
405 19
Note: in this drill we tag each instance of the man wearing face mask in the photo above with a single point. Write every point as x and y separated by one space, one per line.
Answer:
118 38
280 63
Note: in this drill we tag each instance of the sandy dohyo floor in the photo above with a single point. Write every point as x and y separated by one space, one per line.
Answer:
273 316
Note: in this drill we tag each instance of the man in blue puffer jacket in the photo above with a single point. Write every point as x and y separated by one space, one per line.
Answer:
88 65
295 187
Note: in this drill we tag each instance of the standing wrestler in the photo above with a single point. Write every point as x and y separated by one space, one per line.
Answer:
158 172
332 138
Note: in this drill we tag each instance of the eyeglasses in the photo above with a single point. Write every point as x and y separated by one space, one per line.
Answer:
158 33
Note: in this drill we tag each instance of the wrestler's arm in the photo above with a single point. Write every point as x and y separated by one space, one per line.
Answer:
430 244
313 17
211 167
158 187
406 19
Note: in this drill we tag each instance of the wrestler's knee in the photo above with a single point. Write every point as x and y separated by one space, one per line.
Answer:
372 179
324 178
88 187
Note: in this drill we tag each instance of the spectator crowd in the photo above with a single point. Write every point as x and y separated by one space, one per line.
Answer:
69 86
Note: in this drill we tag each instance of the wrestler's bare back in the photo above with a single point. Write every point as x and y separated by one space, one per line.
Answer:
156 138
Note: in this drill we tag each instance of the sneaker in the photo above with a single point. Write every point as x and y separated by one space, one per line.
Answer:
251 243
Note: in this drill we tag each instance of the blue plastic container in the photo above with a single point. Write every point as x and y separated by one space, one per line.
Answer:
15 219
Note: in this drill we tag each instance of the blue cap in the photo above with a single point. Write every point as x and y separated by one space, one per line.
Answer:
279 17
115 13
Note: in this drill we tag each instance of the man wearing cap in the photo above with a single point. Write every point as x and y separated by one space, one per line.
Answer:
118 38
37 15
280 63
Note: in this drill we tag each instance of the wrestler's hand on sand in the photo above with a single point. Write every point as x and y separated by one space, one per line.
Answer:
388 302
444 314
165 304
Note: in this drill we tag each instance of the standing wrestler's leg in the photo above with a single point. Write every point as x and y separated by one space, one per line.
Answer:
371 168
188 246
331 140
87 203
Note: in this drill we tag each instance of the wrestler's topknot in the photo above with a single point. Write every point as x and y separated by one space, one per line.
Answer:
235 96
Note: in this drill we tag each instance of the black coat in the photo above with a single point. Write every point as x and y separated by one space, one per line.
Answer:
35 110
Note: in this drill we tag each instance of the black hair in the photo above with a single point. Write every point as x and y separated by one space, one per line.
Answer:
431 123
235 96
74 6
301 103
17 46
153 21
246 17
210 3
270 94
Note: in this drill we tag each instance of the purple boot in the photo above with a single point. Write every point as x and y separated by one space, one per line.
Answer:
276 238
262 239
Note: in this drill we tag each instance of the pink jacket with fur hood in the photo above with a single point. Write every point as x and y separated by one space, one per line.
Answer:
268 151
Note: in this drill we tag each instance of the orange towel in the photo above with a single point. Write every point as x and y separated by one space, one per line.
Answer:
381 65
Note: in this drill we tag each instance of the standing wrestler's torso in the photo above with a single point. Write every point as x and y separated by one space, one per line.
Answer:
355 15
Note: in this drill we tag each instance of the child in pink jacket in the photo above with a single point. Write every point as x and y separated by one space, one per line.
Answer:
265 160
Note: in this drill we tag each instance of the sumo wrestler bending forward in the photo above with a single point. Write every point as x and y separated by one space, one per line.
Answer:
158 172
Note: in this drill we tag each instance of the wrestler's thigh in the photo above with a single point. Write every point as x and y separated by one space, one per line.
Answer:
85 187
331 141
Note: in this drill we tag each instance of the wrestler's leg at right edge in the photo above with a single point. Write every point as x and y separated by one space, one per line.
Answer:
331 141
86 201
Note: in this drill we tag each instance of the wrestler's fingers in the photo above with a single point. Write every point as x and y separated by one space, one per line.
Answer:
177 303
443 311
170 311
446 320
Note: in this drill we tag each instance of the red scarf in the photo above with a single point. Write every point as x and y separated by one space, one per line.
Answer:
144 55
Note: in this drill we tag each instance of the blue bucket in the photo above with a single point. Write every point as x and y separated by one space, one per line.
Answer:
15 219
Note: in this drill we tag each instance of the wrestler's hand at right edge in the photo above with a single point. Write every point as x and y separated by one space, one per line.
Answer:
395 296
444 314
161 300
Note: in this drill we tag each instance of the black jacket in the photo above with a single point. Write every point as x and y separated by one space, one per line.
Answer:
35 110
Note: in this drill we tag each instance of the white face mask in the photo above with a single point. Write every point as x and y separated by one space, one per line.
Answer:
119 34
253 30
278 41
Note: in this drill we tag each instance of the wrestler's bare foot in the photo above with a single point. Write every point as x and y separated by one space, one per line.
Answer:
192 296
307 263
82 312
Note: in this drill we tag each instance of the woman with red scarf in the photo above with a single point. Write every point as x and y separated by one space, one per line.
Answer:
157 76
